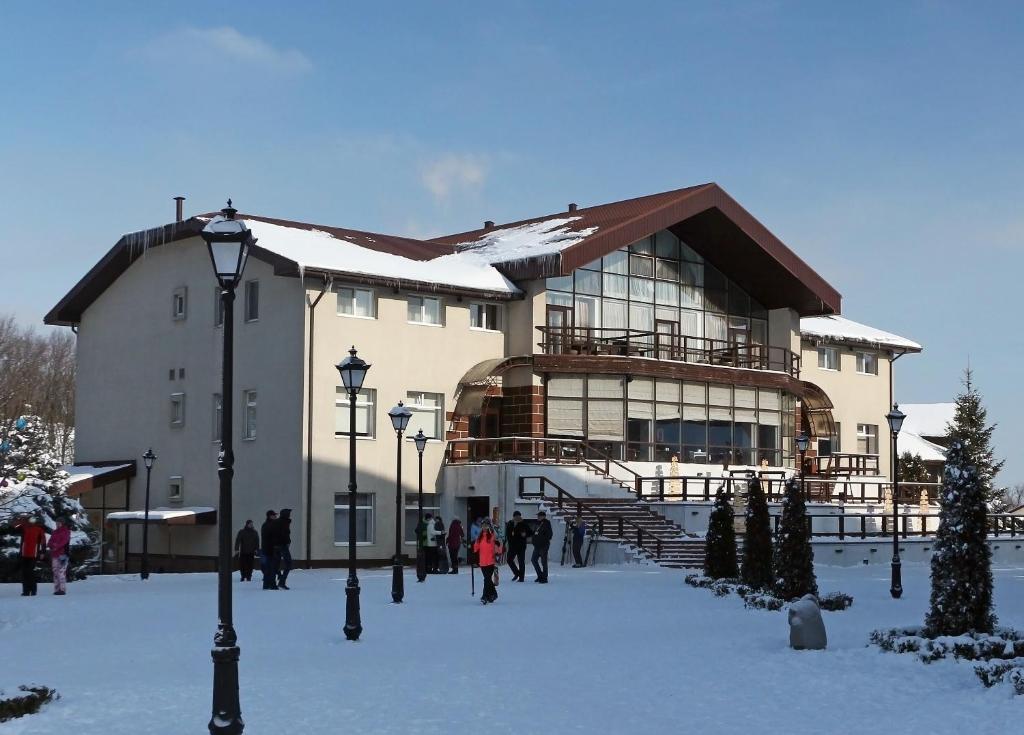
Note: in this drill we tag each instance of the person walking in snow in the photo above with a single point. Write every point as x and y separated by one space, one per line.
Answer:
439 536
31 550
429 544
487 548
541 543
247 543
268 551
455 538
517 535
578 527
284 549
60 552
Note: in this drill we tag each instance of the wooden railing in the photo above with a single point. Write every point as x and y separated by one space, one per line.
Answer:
607 525
879 525
704 488
660 346
840 463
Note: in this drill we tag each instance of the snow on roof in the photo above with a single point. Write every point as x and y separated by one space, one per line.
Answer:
531 240
908 441
846 330
159 515
318 249
78 472
927 419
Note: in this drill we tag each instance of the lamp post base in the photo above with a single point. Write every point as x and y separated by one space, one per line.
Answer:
397 583
896 590
353 625
227 712
421 565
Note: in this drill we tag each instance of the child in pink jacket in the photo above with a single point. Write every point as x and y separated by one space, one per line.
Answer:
60 547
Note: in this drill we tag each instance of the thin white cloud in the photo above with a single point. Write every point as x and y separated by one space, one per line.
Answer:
226 45
453 172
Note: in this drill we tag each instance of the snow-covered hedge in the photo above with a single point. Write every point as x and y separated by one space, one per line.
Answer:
758 599
26 702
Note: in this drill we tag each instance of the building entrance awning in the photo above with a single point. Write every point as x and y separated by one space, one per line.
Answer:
167 516
472 390
85 477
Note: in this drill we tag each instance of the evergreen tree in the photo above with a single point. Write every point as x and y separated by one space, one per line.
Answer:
26 454
756 571
961 598
974 435
911 468
720 543
794 559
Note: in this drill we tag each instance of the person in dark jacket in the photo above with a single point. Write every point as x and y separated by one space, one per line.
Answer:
284 552
442 555
268 550
455 538
517 535
247 543
579 533
541 543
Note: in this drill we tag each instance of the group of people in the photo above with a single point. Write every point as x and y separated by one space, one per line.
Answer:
34 547
487 548
273 545
440 545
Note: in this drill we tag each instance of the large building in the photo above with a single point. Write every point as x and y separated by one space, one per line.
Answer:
660 336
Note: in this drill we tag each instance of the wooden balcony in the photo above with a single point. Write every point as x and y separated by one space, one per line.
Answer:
600 341
840 464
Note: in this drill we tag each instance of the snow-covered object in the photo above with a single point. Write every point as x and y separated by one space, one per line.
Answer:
927 419
841 329
521 242
173 516
908 441
316 249
806 628
34 499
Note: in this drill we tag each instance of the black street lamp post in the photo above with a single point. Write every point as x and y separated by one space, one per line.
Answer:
148 458
802 442
400 416
895 418
421 560
353 371
228 240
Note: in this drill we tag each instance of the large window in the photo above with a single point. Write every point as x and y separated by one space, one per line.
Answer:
431 504
484 316
867 438
357 302
424 310
366 400
249 415
427 414
365 531
867 363
643 419
828 358
660 284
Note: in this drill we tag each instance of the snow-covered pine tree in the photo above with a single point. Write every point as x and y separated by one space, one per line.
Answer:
720 542
794 559
27 455
969 427
961 598
756 570
912 468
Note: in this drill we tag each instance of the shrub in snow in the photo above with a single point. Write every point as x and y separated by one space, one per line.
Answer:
961 597
756 570
835 601
27 703
720 543
794 559
762 601
34 484
1011 672
1002 644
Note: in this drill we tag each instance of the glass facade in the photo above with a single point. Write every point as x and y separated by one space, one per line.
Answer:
644 419
659 285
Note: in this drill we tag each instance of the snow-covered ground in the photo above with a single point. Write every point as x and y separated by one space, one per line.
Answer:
600 650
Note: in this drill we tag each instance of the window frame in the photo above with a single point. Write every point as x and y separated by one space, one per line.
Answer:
372 508
179 296
413 403
249 409
252 287
862 361
341 403
354 290
484 306
824 350
422 310
867 437
177 402
179 481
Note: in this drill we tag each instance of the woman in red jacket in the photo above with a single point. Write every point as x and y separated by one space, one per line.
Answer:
33 546
487 548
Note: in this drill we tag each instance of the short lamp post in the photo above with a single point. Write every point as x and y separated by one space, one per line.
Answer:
353 371
400 416
895 418
802 443
420 440
148 459
228 241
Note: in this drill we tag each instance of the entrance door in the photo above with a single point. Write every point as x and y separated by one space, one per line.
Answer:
667 339
559 323
477 508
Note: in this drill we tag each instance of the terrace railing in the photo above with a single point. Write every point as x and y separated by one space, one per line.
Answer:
845 490
841 463
879 525
672 347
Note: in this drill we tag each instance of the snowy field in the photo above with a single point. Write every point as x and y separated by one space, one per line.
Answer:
601 650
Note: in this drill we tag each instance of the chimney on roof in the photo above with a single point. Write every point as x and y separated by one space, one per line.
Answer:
488 225
572 206
178 208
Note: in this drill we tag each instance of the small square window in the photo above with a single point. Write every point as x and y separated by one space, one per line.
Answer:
176 489
179 303
357 302
424 310
828 358
177 409
867 363
484 316
252 301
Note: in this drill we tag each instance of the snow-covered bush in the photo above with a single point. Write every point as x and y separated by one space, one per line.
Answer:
835 601
720 542
756 570
27 702
794 558
760 599
1001 644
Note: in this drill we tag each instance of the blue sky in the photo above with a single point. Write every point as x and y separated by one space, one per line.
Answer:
880 141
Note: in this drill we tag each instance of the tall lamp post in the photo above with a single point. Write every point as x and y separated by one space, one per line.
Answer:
228 240
895 418
353 371
802 442
148 458
400 416
420 440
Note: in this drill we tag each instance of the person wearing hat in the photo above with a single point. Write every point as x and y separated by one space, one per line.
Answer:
517 534
31 550
60 547
268 550
487 548
247 543
541 543
284 547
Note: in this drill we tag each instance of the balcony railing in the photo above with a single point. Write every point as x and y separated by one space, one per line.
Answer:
840 463
671 347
